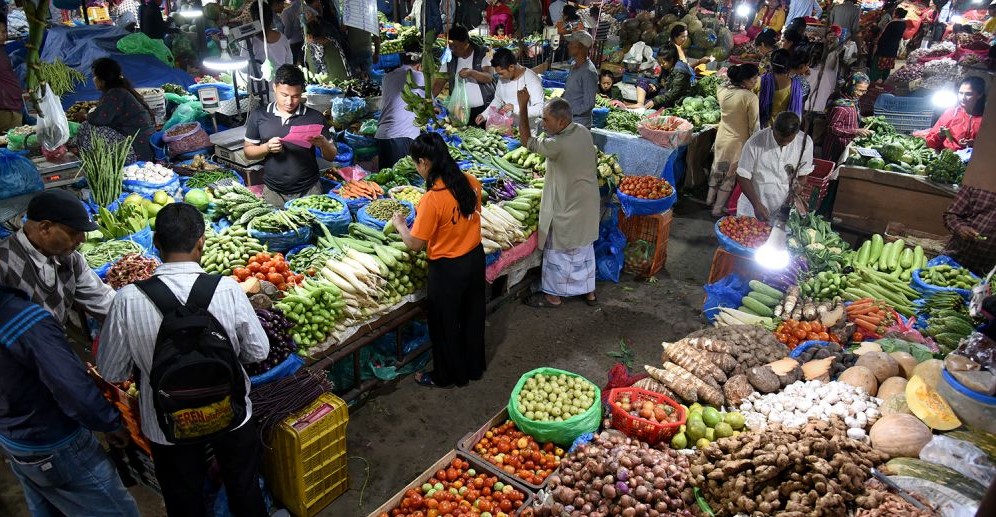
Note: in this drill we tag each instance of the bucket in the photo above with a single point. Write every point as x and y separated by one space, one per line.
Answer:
156 99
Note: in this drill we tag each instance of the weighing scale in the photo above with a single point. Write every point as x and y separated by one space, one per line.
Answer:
228 149
210 102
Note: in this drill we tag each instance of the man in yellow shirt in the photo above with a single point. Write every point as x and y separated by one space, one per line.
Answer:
990 26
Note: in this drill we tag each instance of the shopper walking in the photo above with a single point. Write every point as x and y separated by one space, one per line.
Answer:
289 170
844 118
739 120
49 409
130 339
779 90
887 47
41 258
569 210
448 226
472 63
770 159
397 130
582 80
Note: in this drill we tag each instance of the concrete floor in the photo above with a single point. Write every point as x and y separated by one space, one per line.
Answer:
402 428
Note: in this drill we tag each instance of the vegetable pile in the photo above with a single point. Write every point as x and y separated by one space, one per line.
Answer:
128 219
645 187
793 333
130 269
100 253
519 454
526 160
319 203
314 307
946 316
555 398
700 111
282 346
487 143
609 171
360 189
893 257
384 209
622 121
148 172
103 165
281 221
872 317
814 239
707 424
746 231
207 178
228 249
272 268
948 168
946 276
239 204
408 193
499 230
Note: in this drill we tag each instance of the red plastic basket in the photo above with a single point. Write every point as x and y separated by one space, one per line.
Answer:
640 428
819 179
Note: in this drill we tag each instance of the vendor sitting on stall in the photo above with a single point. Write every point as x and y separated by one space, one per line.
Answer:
958 126
290 169
609 88
767 163
120 113
673 84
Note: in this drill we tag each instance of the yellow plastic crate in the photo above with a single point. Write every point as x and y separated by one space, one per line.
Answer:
306 462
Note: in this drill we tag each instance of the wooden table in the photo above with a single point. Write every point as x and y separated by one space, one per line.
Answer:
869 199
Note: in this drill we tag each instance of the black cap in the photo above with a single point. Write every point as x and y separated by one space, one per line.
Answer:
59 206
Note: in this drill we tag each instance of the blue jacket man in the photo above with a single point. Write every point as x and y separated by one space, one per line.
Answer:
49 407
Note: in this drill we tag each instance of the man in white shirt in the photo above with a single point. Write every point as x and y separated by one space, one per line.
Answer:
472 63
804 8
768 163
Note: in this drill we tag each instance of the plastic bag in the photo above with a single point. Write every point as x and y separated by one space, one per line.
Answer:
53 126
962 456
20 176
458 104
337 223
369 127
561 433
286 368
609 247
632 206
500 122
346 110
185 113
139 43
725 292
980 349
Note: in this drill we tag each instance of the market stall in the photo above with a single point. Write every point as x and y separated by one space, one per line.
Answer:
914 201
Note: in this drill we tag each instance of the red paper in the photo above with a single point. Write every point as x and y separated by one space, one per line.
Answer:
301 135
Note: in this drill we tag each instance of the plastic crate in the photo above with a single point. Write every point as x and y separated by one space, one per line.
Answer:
641 428
819 179
932 244
651 232
306 458
127 406
907 114
725 262
467 443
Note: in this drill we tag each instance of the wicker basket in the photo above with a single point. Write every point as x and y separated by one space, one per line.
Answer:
650 234
643 429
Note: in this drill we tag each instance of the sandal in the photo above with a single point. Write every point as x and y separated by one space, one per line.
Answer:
425 379
591 302
538 300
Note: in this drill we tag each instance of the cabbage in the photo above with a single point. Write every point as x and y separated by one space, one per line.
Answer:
198 198
892 152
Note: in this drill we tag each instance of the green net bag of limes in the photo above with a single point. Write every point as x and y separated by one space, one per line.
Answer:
556 406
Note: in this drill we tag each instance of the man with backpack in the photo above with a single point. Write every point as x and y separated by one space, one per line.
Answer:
186 332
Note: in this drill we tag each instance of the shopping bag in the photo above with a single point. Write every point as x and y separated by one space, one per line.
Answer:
458 105
500 122
53 126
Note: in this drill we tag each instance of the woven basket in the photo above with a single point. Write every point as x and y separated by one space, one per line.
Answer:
667 139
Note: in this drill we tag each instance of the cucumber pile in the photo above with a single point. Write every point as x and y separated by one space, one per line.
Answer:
893 257
761 300
825 285
525 207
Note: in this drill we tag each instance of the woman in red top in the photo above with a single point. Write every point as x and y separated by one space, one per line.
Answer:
958 126
844 117
448 223
499 16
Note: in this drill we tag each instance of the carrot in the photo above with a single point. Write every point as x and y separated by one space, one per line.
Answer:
874 320
866 325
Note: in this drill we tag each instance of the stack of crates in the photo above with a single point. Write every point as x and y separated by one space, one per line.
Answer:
907 114
305 462
646 243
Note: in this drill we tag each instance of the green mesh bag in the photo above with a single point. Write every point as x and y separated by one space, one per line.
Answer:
562 433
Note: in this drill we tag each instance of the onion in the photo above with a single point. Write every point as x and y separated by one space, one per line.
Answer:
622 474
609 491
622 487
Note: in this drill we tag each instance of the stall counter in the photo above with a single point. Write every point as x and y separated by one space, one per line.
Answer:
869 199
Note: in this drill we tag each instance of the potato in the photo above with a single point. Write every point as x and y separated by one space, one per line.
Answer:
881 365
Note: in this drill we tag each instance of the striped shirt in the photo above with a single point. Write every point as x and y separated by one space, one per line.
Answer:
129 335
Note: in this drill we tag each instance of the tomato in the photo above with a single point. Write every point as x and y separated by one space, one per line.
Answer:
452 474
441 475
505 505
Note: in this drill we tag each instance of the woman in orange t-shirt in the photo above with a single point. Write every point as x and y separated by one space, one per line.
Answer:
448 222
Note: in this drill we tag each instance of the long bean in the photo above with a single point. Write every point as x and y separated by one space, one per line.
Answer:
60 77
103 165
108 251
274 401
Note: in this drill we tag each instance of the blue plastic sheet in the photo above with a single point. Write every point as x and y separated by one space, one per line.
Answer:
632 206
19 175
806 345
143 238
363 218
725 292
286 368
609 247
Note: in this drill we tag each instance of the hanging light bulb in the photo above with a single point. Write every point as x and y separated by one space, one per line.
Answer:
191 9
773 254
944 99
743 10
225 62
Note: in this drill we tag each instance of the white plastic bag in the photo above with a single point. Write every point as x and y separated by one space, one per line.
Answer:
53 126
961 456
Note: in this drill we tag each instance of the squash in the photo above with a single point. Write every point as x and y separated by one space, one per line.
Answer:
929 406
907 363
900 435
895 405
930 372
881 365
939 474
860 377
891 386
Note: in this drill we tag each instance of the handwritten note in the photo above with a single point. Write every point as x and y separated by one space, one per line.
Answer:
302 135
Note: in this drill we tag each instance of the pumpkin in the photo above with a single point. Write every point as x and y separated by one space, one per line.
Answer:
929 406
895 404
891 386
900 435
860 377
880 364
929 371
907 363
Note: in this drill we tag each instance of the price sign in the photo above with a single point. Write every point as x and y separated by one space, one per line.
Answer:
867 153
361 14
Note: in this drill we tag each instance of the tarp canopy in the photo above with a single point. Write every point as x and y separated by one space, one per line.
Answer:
79 47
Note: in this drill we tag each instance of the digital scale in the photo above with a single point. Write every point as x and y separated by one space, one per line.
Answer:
228 148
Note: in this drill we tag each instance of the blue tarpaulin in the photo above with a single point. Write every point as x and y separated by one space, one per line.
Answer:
79 47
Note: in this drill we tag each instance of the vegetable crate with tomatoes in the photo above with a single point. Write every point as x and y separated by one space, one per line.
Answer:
646 243
305 461
501 443
272 268
458 484
793 333
645 187
745 231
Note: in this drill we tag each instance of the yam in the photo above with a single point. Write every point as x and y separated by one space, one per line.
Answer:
900 435
651 384
818 370
881 365
892 386
763 379
907 363
737 389
860 377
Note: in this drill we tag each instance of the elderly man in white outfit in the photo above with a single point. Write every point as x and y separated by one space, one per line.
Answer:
766 165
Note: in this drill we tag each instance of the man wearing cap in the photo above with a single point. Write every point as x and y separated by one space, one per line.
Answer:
41 258
582 81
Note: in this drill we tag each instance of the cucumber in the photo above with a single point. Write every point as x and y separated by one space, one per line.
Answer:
757 307
938 474
918 257
883 259
763 288
877 244
863 254
906 259
897 249
763 298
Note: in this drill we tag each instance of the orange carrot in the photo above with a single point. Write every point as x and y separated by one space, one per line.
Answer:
865 325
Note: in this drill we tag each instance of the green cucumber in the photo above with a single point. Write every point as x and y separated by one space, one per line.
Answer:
863 254
763 298
897 249
906 259
918 257
883 259
877 244
763 288
757 307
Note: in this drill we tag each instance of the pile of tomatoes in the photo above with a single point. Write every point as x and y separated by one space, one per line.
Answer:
793 333
645 187
459 490
747 231
519 454
271 268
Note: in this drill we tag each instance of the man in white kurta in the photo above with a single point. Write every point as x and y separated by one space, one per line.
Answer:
569 210
767 163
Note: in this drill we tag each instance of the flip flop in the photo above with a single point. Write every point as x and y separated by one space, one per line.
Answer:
591 302
539 300
425 379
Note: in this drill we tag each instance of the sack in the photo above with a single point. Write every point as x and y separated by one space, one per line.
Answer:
609 247
725 292
53 126
561 433
458 105
20 175
499 122
139 43
186 138
198 385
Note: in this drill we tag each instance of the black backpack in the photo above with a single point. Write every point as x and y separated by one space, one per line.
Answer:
198 385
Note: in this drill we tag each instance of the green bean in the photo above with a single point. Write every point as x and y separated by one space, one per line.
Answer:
207 178
108 251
